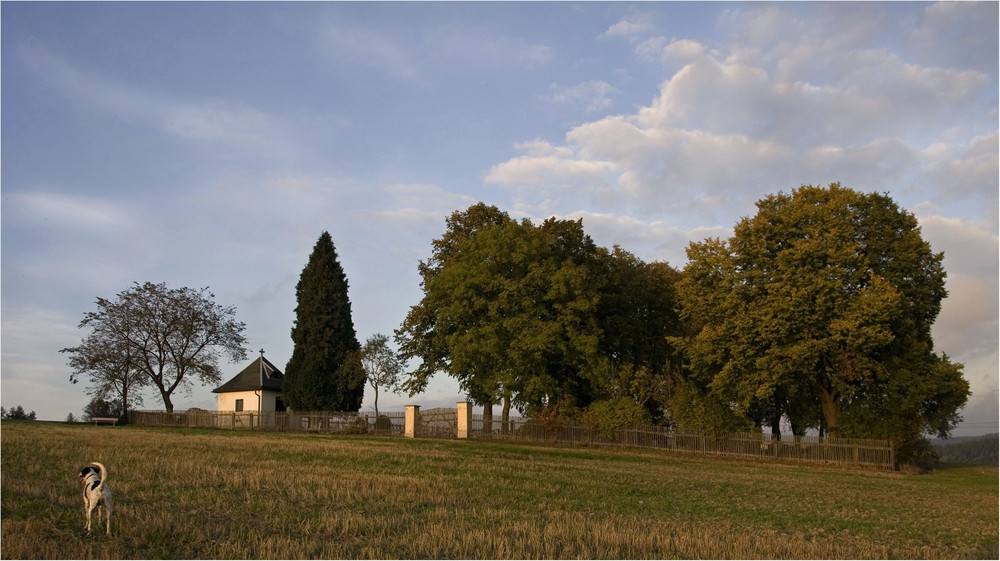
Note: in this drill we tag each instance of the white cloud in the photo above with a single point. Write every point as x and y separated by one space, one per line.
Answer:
222 122
957 34
970 247
594 95
373 48
61 210
630 27
441 47
545 164
958 169
682 51
769 111
968 328
232 123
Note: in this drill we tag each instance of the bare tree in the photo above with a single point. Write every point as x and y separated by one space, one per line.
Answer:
114 374
168 336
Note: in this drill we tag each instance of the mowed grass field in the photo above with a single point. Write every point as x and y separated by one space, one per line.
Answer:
217 494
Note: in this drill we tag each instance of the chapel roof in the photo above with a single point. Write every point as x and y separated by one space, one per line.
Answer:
259 375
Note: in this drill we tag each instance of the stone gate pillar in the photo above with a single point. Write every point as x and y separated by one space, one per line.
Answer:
410 429
464 419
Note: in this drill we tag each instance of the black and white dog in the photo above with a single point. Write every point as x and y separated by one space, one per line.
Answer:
96 493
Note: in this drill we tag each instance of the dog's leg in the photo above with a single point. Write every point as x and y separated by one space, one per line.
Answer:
108 504
89 508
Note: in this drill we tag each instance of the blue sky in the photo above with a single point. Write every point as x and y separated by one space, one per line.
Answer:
210 145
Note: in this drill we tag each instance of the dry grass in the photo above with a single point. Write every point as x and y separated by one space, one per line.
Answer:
217 494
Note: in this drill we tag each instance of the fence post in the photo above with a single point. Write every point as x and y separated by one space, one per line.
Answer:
409 431
464 419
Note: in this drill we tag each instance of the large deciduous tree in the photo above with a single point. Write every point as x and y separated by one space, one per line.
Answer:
428 330
538 315
825 297
636 313
165 336
324 373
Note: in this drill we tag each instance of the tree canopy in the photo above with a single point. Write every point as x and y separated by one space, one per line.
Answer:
151 334
382 366
820 308
534 314
323 373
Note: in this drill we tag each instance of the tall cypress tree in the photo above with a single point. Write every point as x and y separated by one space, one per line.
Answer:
324 373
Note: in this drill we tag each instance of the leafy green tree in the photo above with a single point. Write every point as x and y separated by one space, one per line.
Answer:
100 407
428 329
151 334
508 310
637 312
382 366
545 311
540 316
827 295
324 373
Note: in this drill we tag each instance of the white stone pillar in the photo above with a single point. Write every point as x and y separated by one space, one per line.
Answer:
464 419
410 430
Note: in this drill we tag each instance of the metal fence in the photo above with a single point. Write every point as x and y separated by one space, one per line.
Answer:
386 423
878 454
443 423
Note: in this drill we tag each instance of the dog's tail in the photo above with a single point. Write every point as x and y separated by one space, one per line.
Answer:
104 474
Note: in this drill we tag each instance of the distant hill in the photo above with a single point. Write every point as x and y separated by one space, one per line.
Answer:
981 451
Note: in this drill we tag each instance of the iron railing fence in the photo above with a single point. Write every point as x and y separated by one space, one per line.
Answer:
443 423
877 454
386 423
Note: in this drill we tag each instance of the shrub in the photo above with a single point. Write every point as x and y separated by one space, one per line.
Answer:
613 414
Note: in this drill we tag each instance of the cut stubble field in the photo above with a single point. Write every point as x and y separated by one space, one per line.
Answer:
182 493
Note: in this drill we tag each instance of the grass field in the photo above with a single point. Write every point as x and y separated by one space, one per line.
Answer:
216 494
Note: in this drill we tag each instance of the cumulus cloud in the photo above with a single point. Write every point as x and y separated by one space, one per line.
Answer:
769 111
682 52
545 164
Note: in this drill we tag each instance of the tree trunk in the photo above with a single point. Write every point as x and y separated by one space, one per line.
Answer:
797 429
487 418
125 402
376 405
165 394
830 401
505 418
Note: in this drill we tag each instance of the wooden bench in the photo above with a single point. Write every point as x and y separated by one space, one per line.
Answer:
105 420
